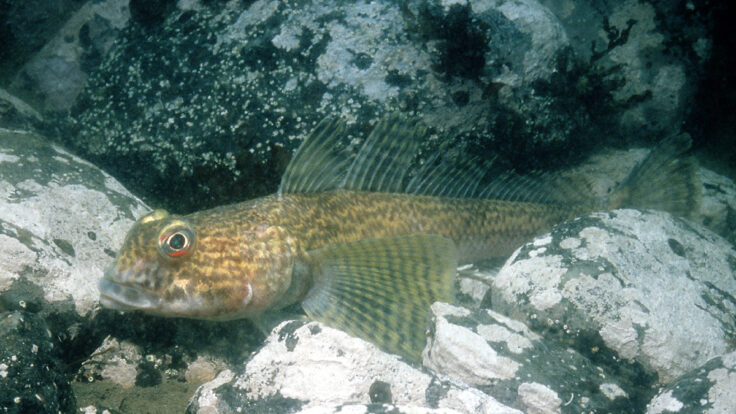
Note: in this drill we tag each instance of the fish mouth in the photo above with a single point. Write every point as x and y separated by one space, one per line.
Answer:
125 297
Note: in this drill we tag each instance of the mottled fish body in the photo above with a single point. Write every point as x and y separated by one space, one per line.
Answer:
360 245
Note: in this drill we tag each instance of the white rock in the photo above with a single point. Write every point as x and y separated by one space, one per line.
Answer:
114 361
314 366
655 288
450 347
502 357
709 389
61 219
539 399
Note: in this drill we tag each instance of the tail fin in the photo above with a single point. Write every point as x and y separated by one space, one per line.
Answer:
662 181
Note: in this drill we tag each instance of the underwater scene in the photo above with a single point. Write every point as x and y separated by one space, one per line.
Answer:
387 206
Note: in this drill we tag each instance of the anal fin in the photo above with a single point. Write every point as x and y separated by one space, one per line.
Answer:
381 289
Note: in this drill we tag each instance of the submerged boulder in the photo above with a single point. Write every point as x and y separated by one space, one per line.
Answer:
312 366
215 97
626 287
708 389
61 223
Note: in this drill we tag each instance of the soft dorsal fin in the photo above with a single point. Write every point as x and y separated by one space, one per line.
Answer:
322 163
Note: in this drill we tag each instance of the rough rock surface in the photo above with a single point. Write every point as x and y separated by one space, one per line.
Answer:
305 366
635 42
61 223
32 377
709 389
639 287
503 358
216 97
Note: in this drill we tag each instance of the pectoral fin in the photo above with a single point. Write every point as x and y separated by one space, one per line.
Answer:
381 289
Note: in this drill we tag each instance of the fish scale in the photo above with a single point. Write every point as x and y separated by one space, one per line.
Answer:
485 228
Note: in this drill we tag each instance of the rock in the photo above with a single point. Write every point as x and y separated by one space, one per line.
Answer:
55 75
503 358
61 223
375 409
710 388
32 376
718 205
16 114
202 370
227 92
641 290
309 366
717 209
26 27
113 361
635 41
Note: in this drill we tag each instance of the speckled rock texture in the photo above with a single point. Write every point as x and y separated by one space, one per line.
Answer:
505 359
61 223
709 389
214 97
634 287
309 366
33 379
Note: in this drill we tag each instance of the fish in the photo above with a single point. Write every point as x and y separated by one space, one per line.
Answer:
357 240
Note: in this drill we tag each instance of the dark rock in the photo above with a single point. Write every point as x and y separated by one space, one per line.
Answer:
32 376
216 98
26 26
652 54
54 76
707 389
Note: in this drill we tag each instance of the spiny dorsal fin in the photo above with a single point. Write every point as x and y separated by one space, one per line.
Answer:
381 289
382 165
441 178
319 164
379 166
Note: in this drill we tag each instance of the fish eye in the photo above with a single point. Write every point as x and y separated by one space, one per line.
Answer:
176 240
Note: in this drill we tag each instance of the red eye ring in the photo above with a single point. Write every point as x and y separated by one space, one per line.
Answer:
176 240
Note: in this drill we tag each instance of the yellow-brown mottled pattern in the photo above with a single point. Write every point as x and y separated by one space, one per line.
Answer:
480 228
253 245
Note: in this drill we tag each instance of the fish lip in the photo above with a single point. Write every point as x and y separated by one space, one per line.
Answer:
121 296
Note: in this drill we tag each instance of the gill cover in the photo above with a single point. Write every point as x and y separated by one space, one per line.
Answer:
202 266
